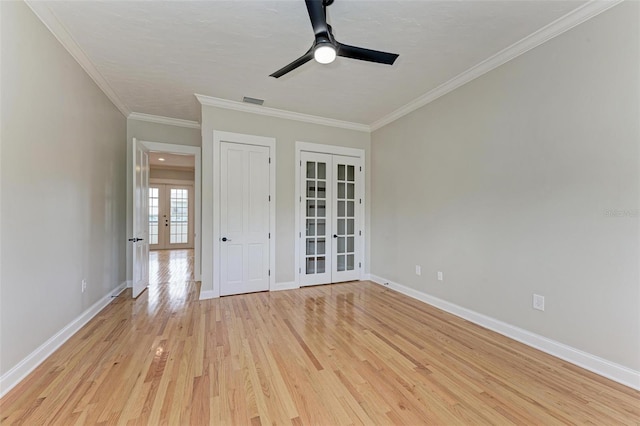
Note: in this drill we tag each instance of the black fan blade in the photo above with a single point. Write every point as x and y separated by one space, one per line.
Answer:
318 17
366 54
295 64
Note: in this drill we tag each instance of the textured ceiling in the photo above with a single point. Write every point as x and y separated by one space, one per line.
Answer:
155 55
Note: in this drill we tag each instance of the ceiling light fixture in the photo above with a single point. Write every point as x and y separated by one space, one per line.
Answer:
161 159
324 53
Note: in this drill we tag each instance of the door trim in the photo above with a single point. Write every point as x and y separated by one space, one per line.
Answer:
171 148
332 150
218 138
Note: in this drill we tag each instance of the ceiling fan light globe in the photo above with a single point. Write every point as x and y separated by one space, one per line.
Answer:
324 53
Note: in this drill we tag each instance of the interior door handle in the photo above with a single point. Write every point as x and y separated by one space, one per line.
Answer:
226 239
335 235
135 240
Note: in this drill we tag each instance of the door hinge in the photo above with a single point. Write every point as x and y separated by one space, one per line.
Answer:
360 200
301 198
299 270
269 160
300 234
269 235
301 162
269 197
360 233
359 265
360 168
269 272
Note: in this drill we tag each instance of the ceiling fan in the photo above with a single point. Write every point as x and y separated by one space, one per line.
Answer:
325 47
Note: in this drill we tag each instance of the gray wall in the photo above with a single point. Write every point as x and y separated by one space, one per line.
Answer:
286 132
505 183
62 180
173 174
151 132
165 133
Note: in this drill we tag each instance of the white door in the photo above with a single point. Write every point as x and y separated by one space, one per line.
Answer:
170 216
315 217
244 218
330 218
345 219
140 238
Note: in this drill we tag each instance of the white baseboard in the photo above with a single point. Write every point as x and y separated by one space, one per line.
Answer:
207 294
289 285
601 366
14 376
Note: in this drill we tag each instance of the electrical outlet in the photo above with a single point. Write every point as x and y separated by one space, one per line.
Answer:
538 302
418 270
440 276
84 285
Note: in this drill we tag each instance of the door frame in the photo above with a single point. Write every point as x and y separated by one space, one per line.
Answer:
170 148
331 150
218 138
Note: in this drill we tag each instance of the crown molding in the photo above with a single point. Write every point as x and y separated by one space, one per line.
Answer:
164 120
51 21
279 113
546 33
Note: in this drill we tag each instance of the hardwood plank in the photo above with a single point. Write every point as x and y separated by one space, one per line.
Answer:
353 353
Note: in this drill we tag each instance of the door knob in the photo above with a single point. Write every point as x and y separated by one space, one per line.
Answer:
335 235
226 239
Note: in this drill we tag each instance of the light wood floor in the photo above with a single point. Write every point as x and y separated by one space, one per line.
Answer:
353 353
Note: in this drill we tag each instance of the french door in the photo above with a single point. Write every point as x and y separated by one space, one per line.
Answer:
330 217
170 216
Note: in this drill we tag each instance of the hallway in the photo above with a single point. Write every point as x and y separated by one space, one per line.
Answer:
170 266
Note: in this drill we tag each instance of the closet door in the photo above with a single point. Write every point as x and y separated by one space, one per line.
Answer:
315 184
244 219
330 218
345 225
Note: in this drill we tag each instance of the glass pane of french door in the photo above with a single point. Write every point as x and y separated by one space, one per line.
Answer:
154 211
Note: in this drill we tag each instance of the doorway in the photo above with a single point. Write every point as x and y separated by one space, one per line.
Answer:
330 214
144 155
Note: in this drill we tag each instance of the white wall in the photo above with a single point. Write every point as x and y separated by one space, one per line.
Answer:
286 132
505 183
151 132
62 188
